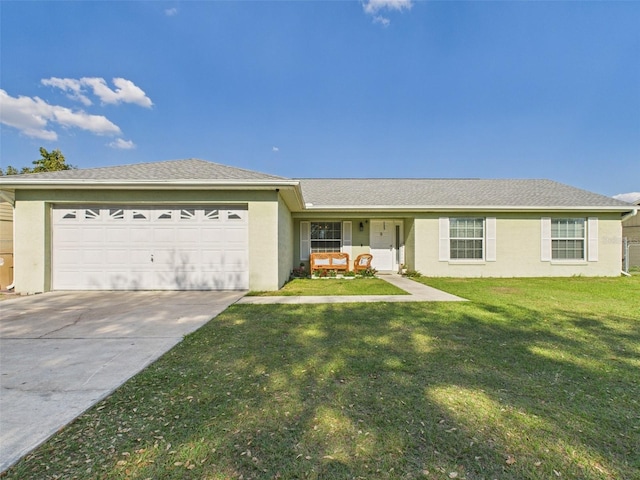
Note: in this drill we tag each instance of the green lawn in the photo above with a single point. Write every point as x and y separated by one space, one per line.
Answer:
531 379
334 286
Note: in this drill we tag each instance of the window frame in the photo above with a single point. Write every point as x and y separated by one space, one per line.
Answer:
458 238
555 239
330 239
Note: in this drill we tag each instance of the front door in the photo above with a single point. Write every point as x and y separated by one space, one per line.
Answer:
386 242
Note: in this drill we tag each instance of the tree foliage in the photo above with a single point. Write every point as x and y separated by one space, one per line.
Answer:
48 162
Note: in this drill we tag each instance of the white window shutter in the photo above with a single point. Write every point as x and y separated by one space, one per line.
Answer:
444 240
346 238
490 248
545 239
305 240
592 233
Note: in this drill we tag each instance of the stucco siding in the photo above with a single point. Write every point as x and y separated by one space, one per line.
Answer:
518 249
33 228
263 246
410 244
285 243
31 248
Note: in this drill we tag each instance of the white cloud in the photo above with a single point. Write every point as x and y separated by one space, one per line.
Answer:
74 87
121 144
374 7
275 149
170 12
630 197
125 92
35 118
381 20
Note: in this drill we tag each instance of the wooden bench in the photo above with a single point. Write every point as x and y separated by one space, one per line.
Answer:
329 261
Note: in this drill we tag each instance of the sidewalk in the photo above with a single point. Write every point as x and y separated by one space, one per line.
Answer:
417 293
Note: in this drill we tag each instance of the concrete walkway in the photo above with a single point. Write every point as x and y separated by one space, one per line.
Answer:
418 292
61 352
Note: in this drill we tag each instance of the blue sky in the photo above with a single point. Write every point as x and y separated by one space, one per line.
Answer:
388 88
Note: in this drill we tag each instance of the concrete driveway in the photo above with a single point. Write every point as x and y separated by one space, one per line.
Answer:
61 352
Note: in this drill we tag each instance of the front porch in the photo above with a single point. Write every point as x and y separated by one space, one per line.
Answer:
384 238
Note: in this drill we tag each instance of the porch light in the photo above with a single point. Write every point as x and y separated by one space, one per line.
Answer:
361 226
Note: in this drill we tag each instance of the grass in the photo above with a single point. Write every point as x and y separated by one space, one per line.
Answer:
531 379
333 286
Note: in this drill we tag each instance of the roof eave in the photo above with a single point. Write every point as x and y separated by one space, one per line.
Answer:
290 189
149 184
466 208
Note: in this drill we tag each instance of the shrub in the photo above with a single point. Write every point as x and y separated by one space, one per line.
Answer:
300 272
369 272
412 274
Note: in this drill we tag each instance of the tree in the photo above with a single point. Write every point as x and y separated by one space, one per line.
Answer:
49 162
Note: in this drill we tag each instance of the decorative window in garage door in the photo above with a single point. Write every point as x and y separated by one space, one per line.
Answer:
116 214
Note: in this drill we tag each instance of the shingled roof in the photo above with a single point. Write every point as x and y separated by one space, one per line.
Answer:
332 194
412 193
172 170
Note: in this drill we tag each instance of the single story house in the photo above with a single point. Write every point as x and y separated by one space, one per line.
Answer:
192 224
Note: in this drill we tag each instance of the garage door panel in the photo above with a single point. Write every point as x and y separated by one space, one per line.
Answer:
116 234
68 256
212 236
165 235
140 248
235 236
92 256
116 257
139 235
68 234
234 261
190 235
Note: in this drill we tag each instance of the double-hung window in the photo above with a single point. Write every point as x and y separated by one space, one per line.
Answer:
466 238
568 238
471 239
326 237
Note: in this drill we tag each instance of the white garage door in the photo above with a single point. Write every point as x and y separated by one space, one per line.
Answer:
150 248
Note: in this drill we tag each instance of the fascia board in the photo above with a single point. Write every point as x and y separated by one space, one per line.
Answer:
137 184
465 208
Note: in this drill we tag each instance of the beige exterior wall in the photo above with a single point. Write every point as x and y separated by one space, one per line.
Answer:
32 253
33 228
6 244
410 244
285 243
518 244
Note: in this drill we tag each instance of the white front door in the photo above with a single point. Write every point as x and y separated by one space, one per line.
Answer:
386 244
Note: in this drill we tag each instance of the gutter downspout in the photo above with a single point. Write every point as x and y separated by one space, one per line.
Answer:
632 213
627 216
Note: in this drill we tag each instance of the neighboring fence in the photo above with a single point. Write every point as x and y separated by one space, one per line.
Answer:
630 253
